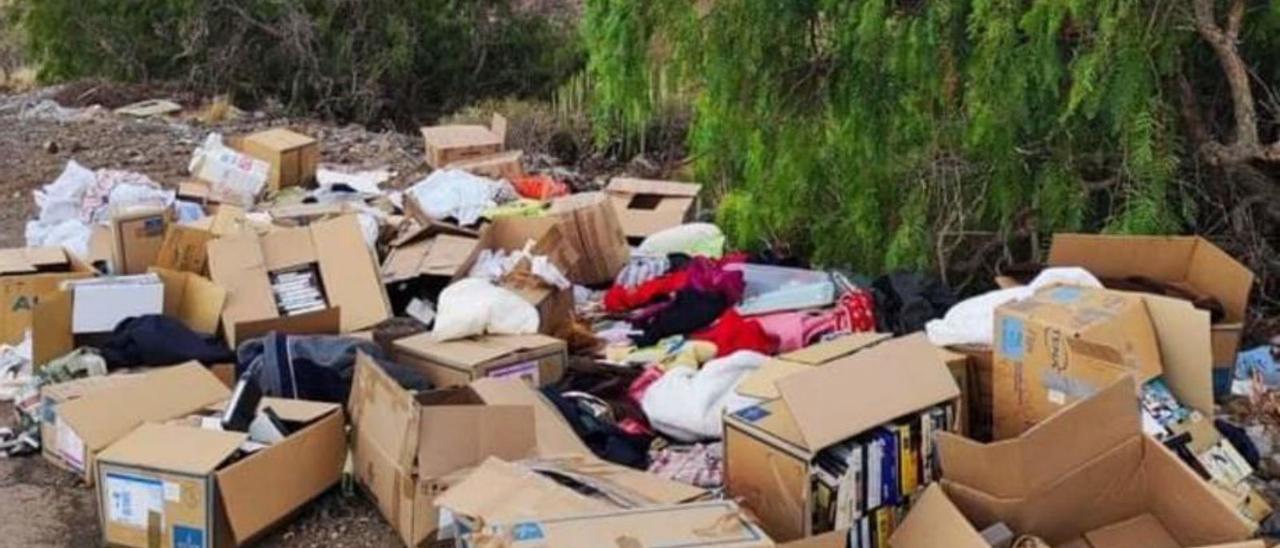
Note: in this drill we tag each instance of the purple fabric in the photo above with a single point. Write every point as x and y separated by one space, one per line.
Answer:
707 276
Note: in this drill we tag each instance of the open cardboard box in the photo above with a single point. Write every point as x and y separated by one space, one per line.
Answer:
52 396
184 296
409 448
1077 474
555 305
535 359
336 251
25 275
770 447
647 206
137 235
177 485
1189 262
448 144
511 505
86 425
437 250
589 225
1066 343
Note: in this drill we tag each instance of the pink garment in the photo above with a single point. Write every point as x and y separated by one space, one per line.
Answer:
853 313
708 276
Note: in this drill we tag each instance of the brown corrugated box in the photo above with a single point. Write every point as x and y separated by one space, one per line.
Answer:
87 425
136 238
503 165
407 448
184 249
590 227
347 270
1086 472
647 206
207 500
293 156
536 359
555 306
1066 342
26 275
519 507
769 447
1189 262
448 144
434 250
52 396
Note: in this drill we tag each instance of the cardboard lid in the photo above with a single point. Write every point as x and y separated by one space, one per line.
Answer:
469 353
174 448
349 271
935 521
1042 455
866 389
499 492
30 259
460 136
280 139
626 185
104 416
1186 351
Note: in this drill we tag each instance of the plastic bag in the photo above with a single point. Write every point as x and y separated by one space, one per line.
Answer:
473 306
455 194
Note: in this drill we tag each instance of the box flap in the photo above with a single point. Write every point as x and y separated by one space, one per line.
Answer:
174 448
350 273
303 411
469 353
237 264
640 487
499 492
104 416
627 185
195 301
51 327
30 259
1144 530
829 350
904 375
383 413
721 524
1221 275
453 437
554 434
1183 333
288 248
762 383
442 256
934 521
1120 256
320 322
1046 452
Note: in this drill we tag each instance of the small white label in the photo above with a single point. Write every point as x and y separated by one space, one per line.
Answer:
172 492
129 500
70 447
1057 397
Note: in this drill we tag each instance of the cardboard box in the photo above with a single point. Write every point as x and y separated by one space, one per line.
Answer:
26 275
980 399
646 206
535 359
194 190
184 249
1065 343
195 301
1078 474
408 448
52 397
510 505
175 485
335 250
448 144
293 156
86 425
555 306
770 448
762 383
100 304
503 165
136 237
430 252
590 227
1188 262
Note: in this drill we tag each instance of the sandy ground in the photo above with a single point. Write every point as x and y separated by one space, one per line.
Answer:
41 505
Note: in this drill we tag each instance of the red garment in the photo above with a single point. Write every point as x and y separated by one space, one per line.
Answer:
732 333
622 299
539 187
855 312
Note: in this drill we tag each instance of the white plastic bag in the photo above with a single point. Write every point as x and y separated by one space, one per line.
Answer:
474 306
688 405
456 194
972 321
64 197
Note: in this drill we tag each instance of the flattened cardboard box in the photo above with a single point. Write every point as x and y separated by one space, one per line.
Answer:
1066 343
1077 474
335 248
293 156
51 399
448 144
647 206
1189 262
26 275
136 238
408 448
769 448
527 509
87 425
171 485
535 359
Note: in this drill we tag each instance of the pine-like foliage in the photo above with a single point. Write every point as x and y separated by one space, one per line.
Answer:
871 133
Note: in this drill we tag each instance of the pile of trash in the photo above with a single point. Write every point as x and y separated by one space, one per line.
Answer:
496 360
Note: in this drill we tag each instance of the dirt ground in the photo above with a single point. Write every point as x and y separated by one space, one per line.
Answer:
41 505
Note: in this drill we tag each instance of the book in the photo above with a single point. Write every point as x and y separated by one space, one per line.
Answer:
875 476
